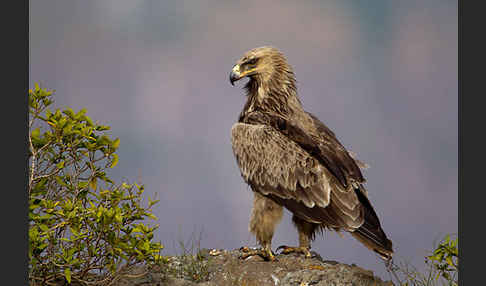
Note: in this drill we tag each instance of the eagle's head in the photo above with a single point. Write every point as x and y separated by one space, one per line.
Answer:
262 65
272 84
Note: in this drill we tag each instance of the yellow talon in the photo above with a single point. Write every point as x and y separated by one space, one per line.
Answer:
264 253
316 267
301 249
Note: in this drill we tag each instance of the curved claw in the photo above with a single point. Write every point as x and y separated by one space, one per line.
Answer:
265 254
289 249
244 249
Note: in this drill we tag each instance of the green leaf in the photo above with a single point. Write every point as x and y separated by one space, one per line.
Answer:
449 261
118 218
102 128
114 160
43 227
116 143
60 181
67 130
89 122
46 216
60 165
48 114
81 112
42 246
69 112
62 122
447 238
151 203
145 246
151 216
82 185
93 183
36 133
67 274
103 140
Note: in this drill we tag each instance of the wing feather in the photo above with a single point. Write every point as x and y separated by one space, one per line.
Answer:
314 137
279 168
331 145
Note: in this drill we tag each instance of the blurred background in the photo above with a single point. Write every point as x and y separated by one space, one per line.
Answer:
383 77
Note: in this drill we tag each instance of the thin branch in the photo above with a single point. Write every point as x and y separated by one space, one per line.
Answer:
47 175
34 158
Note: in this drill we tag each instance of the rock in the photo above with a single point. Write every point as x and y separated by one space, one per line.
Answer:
222 267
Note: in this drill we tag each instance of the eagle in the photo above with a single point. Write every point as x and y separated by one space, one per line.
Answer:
291 159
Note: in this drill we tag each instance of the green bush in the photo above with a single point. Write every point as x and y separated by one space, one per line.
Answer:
83 227
442 267
445 260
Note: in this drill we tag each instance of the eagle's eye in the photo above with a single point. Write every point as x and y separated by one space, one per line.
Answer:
252 61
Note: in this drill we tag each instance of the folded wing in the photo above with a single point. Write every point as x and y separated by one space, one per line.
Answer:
279 168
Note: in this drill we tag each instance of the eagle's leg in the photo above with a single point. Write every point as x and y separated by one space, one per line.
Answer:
306 233
265 216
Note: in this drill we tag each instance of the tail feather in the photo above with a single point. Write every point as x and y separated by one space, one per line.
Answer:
370 234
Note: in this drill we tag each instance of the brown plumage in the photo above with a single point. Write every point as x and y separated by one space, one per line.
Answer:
291 159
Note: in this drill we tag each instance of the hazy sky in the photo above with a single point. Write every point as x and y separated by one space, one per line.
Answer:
382 77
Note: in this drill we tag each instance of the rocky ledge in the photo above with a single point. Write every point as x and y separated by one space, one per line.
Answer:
224 267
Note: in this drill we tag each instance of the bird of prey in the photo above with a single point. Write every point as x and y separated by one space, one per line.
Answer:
291 159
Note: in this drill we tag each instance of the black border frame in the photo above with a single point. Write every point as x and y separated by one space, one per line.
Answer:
470 193
14 212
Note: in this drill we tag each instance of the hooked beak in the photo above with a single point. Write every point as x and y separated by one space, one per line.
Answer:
235 74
